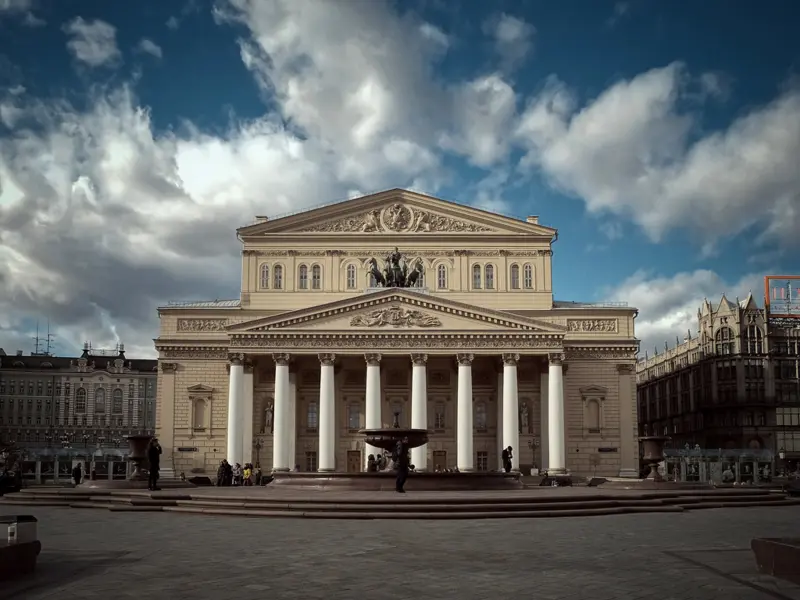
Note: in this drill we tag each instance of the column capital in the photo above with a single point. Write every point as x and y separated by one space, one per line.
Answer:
556 358
465 359
626 368
248 367
326 359
236 359
510 359
168 367
281 359
419 360
373 360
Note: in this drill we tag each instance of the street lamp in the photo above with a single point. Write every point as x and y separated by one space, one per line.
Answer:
257 446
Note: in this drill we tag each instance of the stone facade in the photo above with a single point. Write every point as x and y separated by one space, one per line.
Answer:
475 349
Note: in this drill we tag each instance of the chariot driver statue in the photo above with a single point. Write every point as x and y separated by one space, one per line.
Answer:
394 263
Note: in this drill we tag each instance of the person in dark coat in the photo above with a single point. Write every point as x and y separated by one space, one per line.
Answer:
154 458
76 474
507 455
401 462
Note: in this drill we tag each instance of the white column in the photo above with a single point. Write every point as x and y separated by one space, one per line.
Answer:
327 415
465 456
499 426
544 433
247 423
555 422
280 440
235 408
419 407
291 430
511 407
372 417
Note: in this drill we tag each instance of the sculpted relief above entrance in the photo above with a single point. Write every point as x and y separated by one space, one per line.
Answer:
395 316
397 218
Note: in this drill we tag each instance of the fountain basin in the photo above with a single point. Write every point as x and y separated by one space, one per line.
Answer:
386 439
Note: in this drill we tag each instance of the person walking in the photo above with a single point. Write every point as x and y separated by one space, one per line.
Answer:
401 463
154 458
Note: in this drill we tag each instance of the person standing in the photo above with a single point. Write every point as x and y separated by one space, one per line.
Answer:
401 463
154 458
507 456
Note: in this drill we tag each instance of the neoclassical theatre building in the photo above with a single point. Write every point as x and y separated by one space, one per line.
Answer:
468 343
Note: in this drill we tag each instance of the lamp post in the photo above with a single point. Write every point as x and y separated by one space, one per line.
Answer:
257 446
782 457
532 445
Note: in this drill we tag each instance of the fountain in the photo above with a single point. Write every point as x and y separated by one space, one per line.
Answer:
386 439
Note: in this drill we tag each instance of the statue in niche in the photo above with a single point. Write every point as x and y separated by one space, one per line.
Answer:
268 422
396 420
523 418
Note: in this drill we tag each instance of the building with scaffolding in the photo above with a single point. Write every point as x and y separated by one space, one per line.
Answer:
734 386
60 410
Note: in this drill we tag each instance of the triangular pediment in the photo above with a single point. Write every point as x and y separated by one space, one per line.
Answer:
396 310
200 389
396 212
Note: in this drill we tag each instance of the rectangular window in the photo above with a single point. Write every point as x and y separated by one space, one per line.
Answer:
482 461
353 417
311 462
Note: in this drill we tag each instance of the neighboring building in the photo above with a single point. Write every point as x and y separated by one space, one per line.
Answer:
59 410
733 386
477 350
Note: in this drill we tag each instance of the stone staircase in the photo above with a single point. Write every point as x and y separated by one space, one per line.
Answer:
332 505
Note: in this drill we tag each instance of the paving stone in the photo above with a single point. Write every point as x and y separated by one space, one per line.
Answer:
682 556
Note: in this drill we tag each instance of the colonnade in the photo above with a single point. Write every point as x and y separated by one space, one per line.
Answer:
465 455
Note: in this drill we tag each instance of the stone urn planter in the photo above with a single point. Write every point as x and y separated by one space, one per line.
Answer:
386 439
653 454
137 454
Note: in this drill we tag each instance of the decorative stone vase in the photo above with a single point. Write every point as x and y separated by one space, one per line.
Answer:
386 439
653 454
137 454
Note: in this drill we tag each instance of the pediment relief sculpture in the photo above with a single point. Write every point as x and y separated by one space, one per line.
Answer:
397 218
395 316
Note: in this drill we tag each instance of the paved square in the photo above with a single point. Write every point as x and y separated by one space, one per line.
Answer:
702 554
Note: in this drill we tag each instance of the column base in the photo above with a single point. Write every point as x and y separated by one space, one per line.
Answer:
629 473
326 470
281 470
553 472
470 470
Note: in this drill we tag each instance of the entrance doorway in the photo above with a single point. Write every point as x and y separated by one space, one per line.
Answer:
439 459
354 461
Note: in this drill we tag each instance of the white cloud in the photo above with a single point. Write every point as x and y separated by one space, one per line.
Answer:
631 152
93 43
668 305
149 47
15 6
512 37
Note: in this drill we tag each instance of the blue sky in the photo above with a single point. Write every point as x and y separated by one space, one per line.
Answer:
660 138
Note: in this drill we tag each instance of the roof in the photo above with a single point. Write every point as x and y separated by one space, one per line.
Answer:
203 304
66 363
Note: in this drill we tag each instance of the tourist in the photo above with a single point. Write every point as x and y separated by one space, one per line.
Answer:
402 465
248 473
154 458
257 474
508 455
372 465
221 473
237 475
76 474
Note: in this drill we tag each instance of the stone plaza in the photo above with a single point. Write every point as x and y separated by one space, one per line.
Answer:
704 554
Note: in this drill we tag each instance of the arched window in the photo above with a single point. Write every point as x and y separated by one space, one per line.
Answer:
754 340
527 276
316 277
441 277
514 277
116 402
476 277
312 416
80 400
351 277
724 341
489 277
480 416
264 277
277 277
302 278
99 400
421 279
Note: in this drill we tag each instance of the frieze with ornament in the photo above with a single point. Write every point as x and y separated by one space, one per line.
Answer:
397 218
194 353
395 316
593 325
201 325
597 353
397 342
